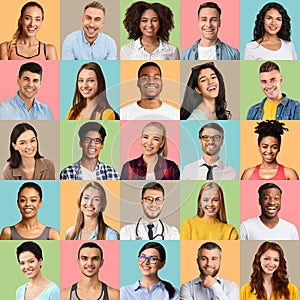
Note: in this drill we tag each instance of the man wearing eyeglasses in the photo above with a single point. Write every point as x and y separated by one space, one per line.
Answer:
209 286
90 260
91 135
210 166
150 226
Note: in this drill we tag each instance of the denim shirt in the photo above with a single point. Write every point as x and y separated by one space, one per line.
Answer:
288 109
223 52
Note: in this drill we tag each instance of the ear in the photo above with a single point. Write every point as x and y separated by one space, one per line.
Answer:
14 146
102 262
197 90
41 203
162 264
141 201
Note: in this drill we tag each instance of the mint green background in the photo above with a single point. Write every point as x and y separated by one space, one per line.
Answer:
250 90
12 277
70 150
174 34
189 191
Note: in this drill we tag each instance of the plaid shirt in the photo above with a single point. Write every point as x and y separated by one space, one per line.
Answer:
137 169
103 172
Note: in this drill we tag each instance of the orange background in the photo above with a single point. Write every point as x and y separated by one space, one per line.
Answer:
69 194
230 264
250 155
171 81
49 32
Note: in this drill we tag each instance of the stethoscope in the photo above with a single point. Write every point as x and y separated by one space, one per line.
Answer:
137 237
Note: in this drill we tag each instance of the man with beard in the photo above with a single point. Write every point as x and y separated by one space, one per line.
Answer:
149 226
90 260
268 226
209 286
210 166
150 106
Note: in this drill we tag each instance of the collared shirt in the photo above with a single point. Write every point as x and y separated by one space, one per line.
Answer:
110 234
76 47
198 171
136 51
103 172
15 109
223 52
139 230
288 109
221 290
137 292
137 169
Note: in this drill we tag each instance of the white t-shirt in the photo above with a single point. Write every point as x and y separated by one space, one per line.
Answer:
255 229
87 174
254 51
205 53
134 112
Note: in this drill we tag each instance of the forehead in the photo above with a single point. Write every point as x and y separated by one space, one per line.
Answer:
87 73
26 255
91 191
150 252
152 130
149 13
30 75
210 193
271 191
93 134
153 193
269 75
210 253
29 191
269 140
209 13
150 71
206 72
211 131
28 134
94 12
271 253
33 10
89 252
272 11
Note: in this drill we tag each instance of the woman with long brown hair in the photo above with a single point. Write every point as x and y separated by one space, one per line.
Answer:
90 224
269 279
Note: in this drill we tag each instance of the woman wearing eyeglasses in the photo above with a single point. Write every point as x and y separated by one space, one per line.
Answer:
152 164
25 161
90 224
151 258
269 141
204 97
210 223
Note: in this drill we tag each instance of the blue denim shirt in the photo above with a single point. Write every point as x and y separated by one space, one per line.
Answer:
223 52
288 109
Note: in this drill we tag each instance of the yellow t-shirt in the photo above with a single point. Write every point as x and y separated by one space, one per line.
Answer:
270 109
108 114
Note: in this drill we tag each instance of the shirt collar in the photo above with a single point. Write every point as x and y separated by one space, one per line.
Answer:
85 40
137 285
218 163
19 101
138 45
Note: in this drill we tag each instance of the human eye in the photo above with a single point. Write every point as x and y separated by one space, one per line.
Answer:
145 136
205 200
91 80
144 20
98 199
157 139
151 258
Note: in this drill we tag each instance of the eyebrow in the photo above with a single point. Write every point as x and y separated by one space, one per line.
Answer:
206 76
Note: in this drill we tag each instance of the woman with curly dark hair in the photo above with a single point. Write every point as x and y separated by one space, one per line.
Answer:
269 279
204 97
269 141
149 25
272 35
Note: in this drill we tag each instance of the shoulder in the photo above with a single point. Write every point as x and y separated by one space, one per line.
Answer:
246 288
251 45
54 234
3 50
187 53
51 53
5 233
72 36
53 289
287 44
171 163
65 293
113 294
111 234
247 173
107 38
229 48
293 289
7 172
69 230
20 291
290 173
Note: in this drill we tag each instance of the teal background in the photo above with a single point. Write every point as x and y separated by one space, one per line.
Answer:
190 148
14 278
251 92
68 76
248 12
48 213
130 272
174 34
189 191
70 150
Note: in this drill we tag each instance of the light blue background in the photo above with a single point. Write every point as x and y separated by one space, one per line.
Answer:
68 75
190 148
48 213
130 272
248 12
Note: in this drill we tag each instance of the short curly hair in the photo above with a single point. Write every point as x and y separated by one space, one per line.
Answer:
285 30
134 13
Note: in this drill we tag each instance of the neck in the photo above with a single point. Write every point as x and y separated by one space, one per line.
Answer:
28 163
149 281
267 278
150 220
30 223
90 223
89 163
269 165
39 279
90 41
270 37
150 103
280 97
207 43
146 40
89 282
269 222
28 102
28 41
210 159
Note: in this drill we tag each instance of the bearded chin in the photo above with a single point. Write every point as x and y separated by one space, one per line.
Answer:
204 273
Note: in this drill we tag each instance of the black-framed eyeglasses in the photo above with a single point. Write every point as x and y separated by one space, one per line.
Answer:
157 200
151 259
215 138
89 140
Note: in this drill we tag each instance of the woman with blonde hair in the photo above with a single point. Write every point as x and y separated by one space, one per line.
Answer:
90 224
152 164
25 44
210 223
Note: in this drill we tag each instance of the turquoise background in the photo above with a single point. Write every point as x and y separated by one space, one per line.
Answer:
48 213
130 272
68 76
190 148
248 12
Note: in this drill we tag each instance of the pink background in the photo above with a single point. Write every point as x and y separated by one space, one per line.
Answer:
289 200
49 90
131 139
229 31
70 272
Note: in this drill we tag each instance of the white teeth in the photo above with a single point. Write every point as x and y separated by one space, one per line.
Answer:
211 88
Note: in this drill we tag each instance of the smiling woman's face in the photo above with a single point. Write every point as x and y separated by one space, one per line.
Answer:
208 84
